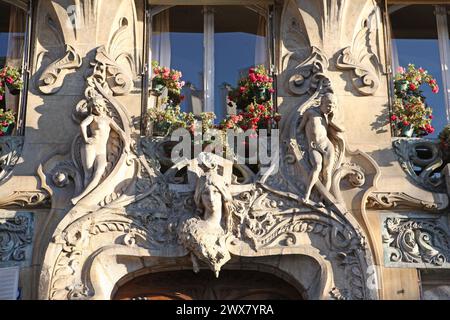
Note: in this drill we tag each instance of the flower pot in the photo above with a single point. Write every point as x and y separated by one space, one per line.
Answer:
6 130
158 88
13 90
407 131
402 85
262 94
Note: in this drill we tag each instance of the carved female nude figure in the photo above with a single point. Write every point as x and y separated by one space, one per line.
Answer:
94 150
315 123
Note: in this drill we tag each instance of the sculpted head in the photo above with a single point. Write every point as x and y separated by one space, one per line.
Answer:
99 106
328 103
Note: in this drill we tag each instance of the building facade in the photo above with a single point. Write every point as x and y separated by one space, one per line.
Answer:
92 206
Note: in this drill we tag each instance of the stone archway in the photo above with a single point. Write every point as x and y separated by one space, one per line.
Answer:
185 285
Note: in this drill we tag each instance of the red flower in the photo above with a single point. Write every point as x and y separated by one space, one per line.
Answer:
435 89
430 116
182 97
412 87
405 123
393 117
251 71
261 107
252 77
242 89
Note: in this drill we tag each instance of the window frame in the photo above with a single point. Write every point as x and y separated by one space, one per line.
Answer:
443 41
208 52
27 6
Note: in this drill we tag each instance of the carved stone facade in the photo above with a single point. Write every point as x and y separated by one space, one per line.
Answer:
338 217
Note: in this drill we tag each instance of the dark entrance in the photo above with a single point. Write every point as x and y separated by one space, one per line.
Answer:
185 285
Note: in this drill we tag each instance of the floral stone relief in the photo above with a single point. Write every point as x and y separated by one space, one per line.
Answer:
16 235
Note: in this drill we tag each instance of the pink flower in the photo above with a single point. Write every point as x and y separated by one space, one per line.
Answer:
9 80
421 70
175 77
252 77
435 89
1 97
242 89
401 70
271 90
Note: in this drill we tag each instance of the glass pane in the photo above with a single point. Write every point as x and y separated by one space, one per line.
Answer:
12 37
417 43
239 43
177 43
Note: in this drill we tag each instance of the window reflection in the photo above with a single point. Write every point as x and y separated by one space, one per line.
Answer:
417 43
240 43
12 39
177 43
180 41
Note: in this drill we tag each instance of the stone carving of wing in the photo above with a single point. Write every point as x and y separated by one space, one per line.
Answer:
361 60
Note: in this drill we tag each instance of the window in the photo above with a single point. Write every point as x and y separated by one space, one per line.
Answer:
13 47
420 35
213 46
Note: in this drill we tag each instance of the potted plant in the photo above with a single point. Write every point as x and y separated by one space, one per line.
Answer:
11 79
170 79
411 115
253 101
7 122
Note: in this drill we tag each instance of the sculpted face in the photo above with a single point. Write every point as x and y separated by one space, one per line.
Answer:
99 107
328 103
213 198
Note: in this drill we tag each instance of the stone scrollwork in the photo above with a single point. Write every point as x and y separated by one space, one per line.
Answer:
360 59
26 199
51 80
415 241
305 76
420 159
391 200
16 235
10 151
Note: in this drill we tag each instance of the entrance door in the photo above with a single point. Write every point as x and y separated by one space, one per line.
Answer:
185 285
